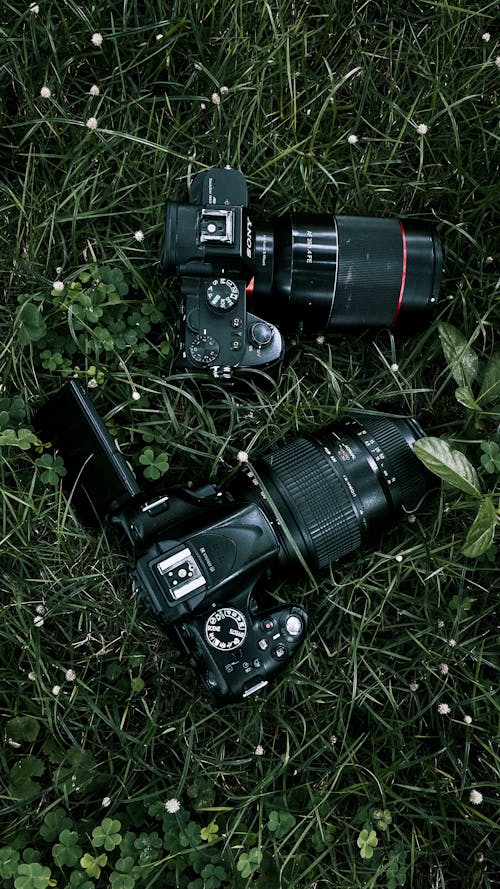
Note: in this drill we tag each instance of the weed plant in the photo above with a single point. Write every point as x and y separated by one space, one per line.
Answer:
374 761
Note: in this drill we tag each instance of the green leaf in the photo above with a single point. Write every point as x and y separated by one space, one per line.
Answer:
21 785
67 852
249 863
482 531
23 728
32 876
31 324
460 357
464 396
366 842
9 859
93 865
210 832
490 390
53 823
107 834
450 465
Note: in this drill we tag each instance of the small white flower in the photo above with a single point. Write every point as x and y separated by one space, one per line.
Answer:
38 620
139 235
486 37
320 339
452 643
242 457
92 383
58 286
422 129
32 675
333 740
444 669
468 720
106 802
94 90
224 90
172 806
476 797
394 368
92 123
45 92
70 675
399 558
56 689
413 686
215 98
497 61
97 39
136 395
34 8
203 106
40 609
412 518
352 139
440 624
444 709
159 37
259 750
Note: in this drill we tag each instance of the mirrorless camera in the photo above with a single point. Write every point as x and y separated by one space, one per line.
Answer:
202 556
241 282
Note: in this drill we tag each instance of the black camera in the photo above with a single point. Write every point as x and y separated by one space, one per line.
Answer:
316 273
201 555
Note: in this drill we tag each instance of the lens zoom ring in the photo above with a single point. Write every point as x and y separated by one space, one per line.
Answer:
318 499
401 462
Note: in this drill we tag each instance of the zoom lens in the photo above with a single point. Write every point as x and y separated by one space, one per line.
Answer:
347 272
338 490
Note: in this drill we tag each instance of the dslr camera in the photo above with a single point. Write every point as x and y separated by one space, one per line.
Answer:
241 282
202 556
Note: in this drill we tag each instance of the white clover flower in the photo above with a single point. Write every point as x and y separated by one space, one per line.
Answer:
352 139
440 624
422 129
92 383
412 518
45 92
452 643
444 709
259 750
136 395
34 8
203 106
486 37
40 609
413 686
32 675
55 690
58 286
444 669
139 235
106 802
38 620
399 558
242 457
320 339
476 797
497 61
468 720
94 90
92 123
172 806
159 37
97 39
215 98
224 90
70 675
394 368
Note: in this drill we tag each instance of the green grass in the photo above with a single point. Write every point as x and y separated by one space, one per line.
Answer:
354 727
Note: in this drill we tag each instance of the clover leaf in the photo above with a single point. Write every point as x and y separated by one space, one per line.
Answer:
366 842
107 834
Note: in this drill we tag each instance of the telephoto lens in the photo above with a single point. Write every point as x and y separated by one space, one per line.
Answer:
342 273
338 490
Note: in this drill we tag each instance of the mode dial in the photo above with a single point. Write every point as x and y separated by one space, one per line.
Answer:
222 294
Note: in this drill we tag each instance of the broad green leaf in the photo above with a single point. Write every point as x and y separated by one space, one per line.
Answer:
490 390
450 465
464 396
23 728
481 533
460 357
31 324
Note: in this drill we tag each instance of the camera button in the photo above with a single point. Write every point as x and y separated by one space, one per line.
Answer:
279 652
263 644
268 625
293 625
257 663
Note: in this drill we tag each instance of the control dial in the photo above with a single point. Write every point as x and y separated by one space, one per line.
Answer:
226 629
222 294
204 349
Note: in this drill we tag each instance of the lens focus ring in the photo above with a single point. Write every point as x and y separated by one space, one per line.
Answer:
308 484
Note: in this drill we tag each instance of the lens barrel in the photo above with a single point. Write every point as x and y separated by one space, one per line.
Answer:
338 490
348 272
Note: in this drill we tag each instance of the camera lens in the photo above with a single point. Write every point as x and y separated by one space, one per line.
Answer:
348 272
338 490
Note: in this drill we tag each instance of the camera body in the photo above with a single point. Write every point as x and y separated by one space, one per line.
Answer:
199 555
311 272
210 243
